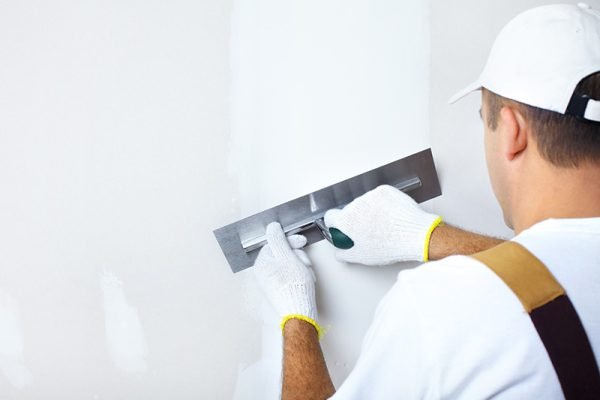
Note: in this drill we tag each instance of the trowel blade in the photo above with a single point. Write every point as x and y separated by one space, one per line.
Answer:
241 241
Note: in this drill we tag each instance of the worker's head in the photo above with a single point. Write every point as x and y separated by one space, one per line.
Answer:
541 99
521 139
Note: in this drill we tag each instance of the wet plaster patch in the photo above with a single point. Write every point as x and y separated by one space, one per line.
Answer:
126 341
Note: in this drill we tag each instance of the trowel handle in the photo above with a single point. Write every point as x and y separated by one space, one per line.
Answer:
334 236
340 240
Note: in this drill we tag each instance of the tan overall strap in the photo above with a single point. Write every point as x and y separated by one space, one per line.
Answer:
552 314
533 285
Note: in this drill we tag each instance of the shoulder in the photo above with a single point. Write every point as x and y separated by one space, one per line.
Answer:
448 295
453 267
476 329
458 289
457 277
450 328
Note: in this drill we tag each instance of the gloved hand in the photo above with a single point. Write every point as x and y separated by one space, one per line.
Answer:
285 275
386 226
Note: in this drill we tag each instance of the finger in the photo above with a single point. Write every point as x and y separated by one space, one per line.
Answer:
303 257
264 254
346 255
332 217
393 193
353 257
277 240
385 188
297 241
265 251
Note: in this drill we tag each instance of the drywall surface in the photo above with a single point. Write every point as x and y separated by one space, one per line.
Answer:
114 129
322 91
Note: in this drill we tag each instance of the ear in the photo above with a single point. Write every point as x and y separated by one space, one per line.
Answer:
513 132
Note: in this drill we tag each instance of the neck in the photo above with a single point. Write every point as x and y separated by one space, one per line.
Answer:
551 192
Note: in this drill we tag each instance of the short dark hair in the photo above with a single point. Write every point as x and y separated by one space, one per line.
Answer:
563 140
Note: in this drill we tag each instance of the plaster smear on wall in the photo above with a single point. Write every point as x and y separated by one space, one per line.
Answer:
322 91
12 363
261 379
125 337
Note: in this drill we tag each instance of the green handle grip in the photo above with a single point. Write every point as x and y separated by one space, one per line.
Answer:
340 240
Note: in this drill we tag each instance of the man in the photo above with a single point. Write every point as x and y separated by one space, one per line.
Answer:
451 328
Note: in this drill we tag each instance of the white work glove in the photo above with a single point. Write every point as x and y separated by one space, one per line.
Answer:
285 276
386 226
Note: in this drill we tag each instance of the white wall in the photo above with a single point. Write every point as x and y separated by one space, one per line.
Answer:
114 124
130 129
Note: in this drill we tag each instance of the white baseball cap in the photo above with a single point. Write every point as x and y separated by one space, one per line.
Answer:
541 55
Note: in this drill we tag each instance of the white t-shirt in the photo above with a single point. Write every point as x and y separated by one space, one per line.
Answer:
452 329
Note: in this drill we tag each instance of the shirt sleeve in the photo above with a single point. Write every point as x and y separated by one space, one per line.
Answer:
395 359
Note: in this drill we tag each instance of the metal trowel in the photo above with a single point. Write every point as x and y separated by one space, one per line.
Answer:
241 241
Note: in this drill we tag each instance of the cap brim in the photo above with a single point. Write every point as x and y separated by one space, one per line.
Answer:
469 89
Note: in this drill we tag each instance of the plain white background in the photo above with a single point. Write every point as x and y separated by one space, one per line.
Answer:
130 130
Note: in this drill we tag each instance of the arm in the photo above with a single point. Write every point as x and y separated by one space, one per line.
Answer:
305 374
388 226
283 272
447 240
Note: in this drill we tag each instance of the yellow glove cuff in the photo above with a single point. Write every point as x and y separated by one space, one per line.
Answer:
435 224
304 318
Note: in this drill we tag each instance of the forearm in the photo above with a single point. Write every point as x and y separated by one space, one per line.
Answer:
447 240
305 374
